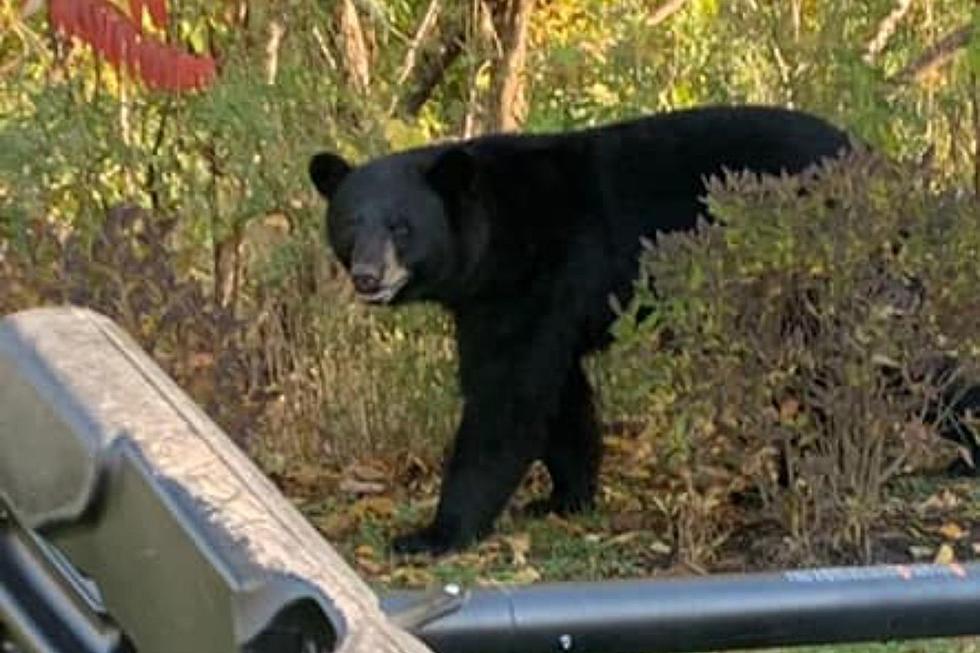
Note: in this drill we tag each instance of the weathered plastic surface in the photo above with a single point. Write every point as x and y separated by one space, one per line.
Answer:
191 548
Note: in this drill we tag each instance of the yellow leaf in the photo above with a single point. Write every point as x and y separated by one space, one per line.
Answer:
788 410
525 576
380 507
355 487
367 472
370 566
336 524
952 531
661 548
622 538
945 555
412 576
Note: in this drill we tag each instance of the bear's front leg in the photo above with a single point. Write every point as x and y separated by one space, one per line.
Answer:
490 457
513 360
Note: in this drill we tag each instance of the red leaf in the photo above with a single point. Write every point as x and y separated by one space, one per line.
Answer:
136 13
119 39
158 12
57 10
114 44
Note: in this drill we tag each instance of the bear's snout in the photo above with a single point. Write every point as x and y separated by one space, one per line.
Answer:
366 278
376 272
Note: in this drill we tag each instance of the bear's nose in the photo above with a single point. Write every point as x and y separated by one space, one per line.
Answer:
366 283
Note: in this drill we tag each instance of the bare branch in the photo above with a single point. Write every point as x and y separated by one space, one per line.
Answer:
935 57
276 32
422 33
321 42
665 11
886 29
428 76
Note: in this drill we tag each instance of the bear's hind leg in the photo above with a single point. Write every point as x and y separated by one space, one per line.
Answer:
573 452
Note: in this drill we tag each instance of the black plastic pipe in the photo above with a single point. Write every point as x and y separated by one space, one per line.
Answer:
816 606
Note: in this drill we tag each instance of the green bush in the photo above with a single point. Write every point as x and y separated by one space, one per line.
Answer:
795 346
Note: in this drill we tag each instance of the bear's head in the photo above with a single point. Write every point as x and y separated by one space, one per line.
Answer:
396 222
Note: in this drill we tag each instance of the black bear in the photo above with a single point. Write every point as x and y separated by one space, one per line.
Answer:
524 238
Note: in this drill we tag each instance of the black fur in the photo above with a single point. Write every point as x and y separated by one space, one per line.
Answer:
524 238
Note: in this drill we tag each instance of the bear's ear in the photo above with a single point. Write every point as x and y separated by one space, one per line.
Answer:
453 172
327 170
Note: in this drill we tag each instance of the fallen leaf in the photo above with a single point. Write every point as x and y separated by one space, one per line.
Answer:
629 521
945 555
336 524
525 576
563 524
379 507
366 472
412 576
364 556
370 566
661 548
615 443
788 410
306 475
635 473
356 487
942 500
622 538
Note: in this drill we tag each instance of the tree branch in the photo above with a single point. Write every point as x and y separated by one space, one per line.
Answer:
425 28
665 11
886 29
276 32
428 76
935 57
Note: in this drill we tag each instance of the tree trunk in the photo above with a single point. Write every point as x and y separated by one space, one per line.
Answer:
509 102
665 11
352 47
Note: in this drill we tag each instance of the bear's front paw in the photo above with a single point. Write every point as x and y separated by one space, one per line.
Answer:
562 506
427 540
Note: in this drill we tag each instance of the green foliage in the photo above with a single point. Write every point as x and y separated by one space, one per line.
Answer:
973 49
601 60
795 345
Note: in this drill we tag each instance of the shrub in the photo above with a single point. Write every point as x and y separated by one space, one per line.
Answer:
803 347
